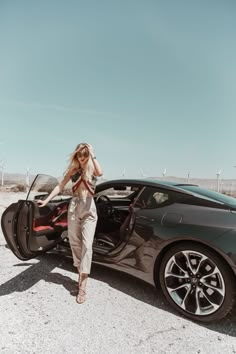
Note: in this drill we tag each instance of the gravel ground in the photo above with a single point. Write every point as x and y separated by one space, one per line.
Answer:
38 313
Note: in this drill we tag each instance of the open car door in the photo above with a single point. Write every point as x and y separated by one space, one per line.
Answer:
31 230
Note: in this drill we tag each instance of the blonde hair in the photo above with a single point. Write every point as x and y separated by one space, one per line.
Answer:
74 164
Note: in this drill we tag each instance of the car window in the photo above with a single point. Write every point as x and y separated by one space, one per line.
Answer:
152 197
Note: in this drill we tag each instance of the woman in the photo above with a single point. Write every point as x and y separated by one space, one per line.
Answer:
82 214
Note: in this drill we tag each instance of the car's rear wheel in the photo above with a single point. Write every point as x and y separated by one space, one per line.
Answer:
197 282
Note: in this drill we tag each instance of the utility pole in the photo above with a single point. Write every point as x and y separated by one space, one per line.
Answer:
188 176
27 178
164 173
2 170
218 180
143 175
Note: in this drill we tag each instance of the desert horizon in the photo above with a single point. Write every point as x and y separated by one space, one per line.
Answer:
14 181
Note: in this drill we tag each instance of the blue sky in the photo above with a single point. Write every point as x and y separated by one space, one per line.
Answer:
150 84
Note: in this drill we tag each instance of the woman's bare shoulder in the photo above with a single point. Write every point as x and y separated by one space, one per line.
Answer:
69 173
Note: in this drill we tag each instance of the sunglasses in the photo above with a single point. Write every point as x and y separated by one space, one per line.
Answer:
81 154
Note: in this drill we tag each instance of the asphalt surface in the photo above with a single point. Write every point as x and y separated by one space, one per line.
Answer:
39 314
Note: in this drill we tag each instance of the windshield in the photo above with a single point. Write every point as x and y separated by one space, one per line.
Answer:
43 185
219 197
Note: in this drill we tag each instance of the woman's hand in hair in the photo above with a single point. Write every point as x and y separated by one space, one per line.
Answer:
90 149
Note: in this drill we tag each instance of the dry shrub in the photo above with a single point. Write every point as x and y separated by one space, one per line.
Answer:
19 188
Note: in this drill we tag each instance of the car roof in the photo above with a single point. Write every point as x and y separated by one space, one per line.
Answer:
171 185
147 181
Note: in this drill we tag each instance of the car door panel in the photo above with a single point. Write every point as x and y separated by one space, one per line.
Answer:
8 224
29 241
31 230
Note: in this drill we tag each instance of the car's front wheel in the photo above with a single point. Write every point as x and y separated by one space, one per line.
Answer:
197 282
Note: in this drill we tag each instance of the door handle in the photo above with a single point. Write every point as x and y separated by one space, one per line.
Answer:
144 218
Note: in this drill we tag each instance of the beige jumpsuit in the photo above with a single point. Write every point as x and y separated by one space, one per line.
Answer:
82 220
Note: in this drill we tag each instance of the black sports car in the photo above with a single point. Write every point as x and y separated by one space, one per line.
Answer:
178 236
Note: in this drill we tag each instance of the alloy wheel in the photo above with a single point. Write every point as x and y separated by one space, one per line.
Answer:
194 282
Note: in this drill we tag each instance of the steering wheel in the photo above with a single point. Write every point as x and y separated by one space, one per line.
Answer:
104 206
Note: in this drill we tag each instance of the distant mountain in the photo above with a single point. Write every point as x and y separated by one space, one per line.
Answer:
225 185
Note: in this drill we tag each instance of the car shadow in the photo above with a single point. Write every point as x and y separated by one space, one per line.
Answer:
134 287
145 292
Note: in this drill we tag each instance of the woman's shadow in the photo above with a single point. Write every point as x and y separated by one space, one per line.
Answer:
138 289
36 272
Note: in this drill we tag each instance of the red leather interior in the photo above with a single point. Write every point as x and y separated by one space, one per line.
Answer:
52 222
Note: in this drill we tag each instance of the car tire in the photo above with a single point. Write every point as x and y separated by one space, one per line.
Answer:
197 282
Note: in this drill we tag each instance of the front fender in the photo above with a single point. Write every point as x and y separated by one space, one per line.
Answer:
221 246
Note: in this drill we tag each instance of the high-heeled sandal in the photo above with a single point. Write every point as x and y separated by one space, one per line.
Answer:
81 297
